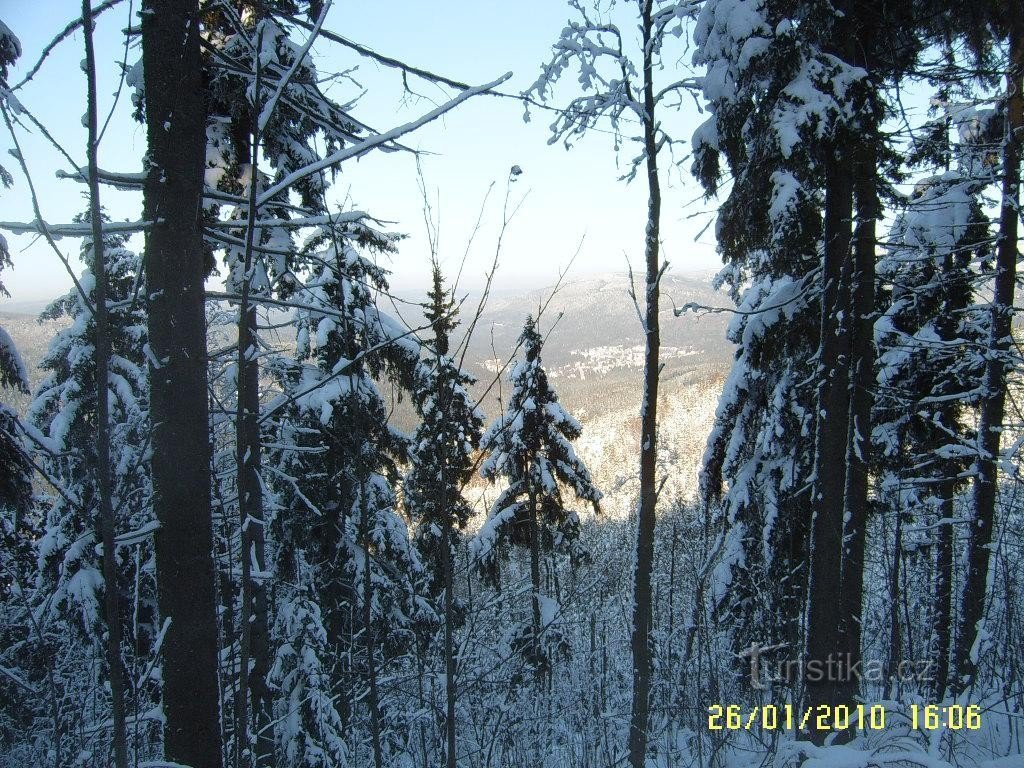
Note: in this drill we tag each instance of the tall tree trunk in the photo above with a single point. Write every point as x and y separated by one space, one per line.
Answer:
369 644
534 579
444 398
253 636
942 606
895 630
993 404
640 640
111 597
942 630
794 596
449 641
824 619
175 271
862 382
254 641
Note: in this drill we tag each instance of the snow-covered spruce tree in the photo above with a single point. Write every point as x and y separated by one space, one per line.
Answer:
15 487
1000 23
929 374
440 465
343 551
530 448
15 471
794 95
833 107
264 106
268 111
441 460
20 707
759 454
69 590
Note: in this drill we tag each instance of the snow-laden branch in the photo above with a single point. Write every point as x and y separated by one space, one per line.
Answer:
139 534
39 227
134 181
583 44
380 58
300 58
373 142
34 196
14 676
341 370
282 303
324 220
116 179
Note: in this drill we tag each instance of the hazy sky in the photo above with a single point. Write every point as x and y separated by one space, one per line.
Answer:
569 194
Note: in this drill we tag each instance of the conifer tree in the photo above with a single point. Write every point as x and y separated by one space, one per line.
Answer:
17 529
763 126
70 586
441 463
250 60
530 447
794 90
334 468
1001 22
441 460
270 130
928 368
14 470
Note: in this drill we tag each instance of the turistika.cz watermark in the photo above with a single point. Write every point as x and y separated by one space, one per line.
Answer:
835 668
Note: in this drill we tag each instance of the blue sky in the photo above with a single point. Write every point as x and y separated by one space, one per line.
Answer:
569 194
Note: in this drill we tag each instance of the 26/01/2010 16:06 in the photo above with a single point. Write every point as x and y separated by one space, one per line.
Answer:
772 717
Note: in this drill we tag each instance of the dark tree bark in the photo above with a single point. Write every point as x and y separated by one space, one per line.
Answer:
840 488
862 383
254 641
994 402
175 270
534 579
824 624
369 641
942 610
641 634
449 642
794 598
111 598
895 628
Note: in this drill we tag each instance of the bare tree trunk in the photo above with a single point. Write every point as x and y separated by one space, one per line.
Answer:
993 405
795 595
535 578
942 610
253 637
111 601
942 631
373 699
862 383
895 631
449 641
824 630
175 271
640 640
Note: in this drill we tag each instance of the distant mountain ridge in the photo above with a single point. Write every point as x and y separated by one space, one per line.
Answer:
591 324
594 356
